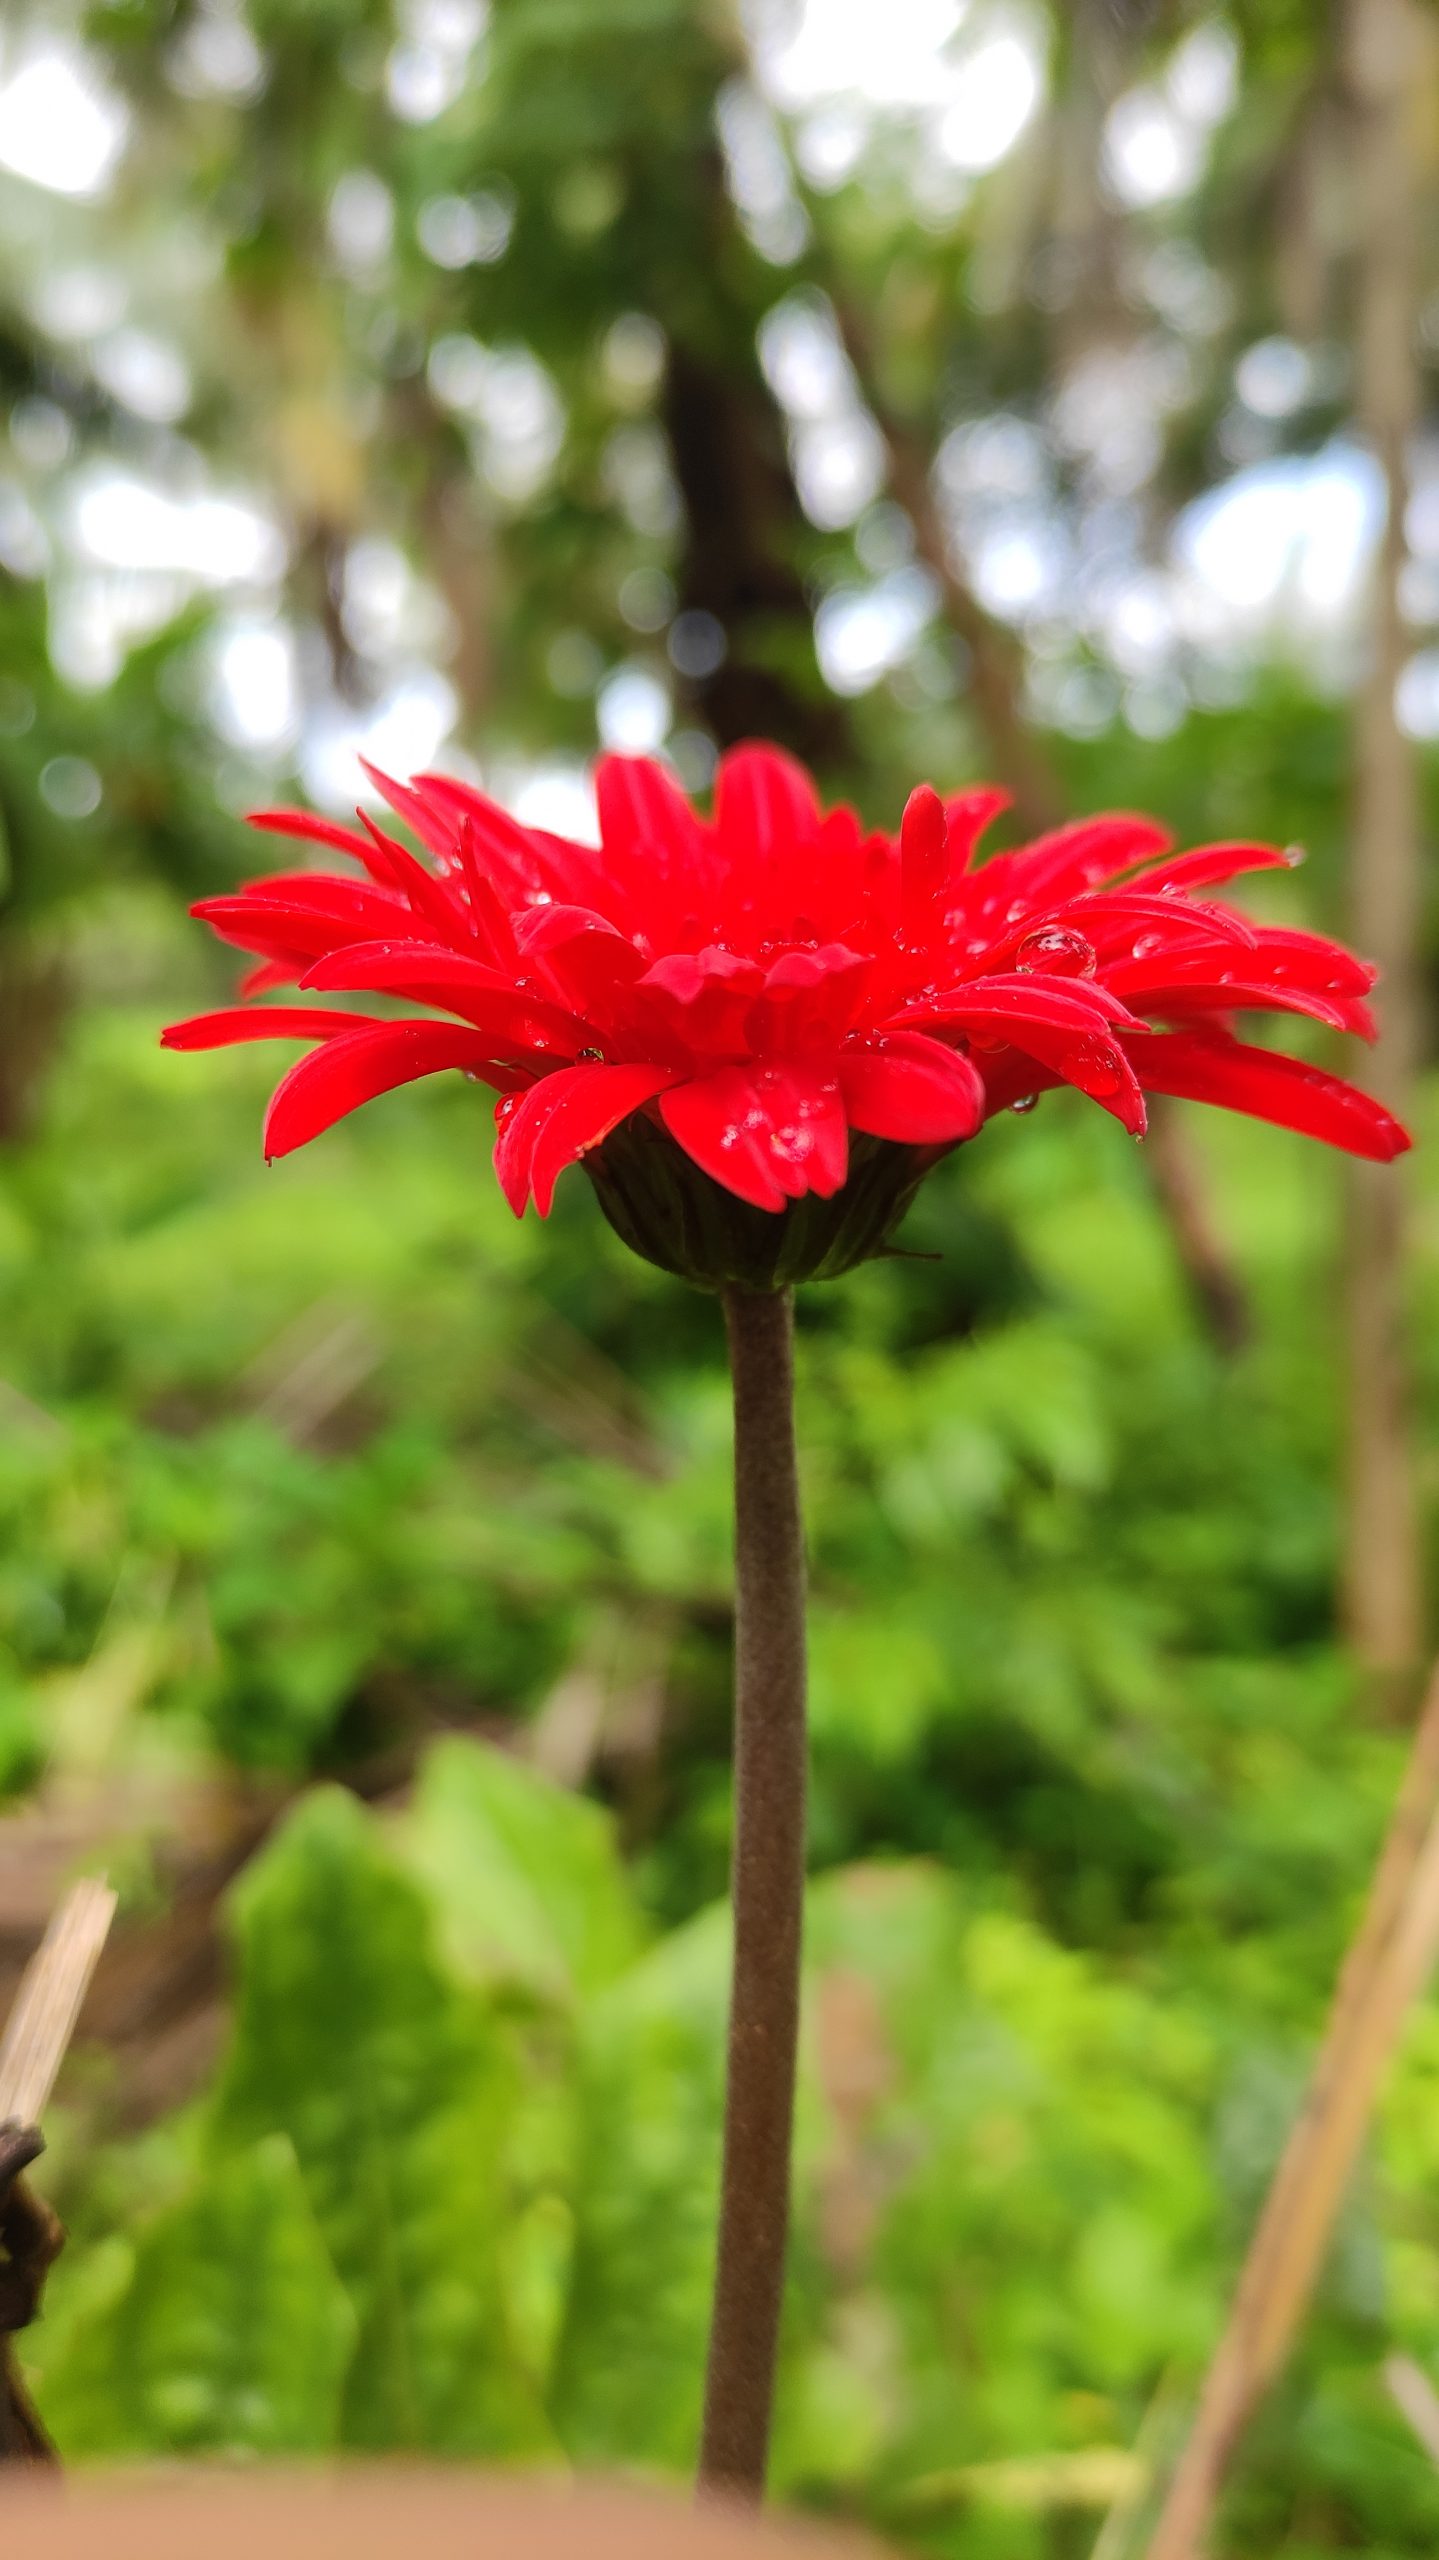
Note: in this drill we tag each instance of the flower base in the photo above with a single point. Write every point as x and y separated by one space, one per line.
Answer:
662 1206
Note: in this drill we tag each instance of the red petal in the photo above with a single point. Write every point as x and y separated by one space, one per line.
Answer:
427 973
269 974
923 851
1311 960
560 1119
645 820
525 858
1078 857
809 1001
1091 1060
326 893
967 814
1008 999
239 1022
311 830
1265 1084
701 998
424 895
912 1089
1210 865
764 804
343 1073
435 830
1240 996
767 1134
282 929
392 963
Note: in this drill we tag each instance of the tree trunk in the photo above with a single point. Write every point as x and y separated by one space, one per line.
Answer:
1382 1594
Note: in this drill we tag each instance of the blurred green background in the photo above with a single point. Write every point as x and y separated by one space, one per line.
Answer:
956 388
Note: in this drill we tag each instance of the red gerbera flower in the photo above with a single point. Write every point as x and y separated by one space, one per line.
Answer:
752 994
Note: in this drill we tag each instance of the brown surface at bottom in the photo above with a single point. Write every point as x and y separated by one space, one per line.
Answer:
386 2515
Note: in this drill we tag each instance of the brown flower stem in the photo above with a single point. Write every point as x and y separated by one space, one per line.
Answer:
767 1888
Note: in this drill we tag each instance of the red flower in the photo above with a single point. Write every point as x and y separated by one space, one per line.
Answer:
763 983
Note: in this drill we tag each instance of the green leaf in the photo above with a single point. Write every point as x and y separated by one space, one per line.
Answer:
525 1875
396 2090
226 2331
629 2370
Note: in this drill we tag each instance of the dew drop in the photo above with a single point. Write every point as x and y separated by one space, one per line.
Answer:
1146 943
505 1109
1026 1102
589 1057
1058 951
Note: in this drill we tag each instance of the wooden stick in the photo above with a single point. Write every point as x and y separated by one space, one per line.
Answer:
50 1999
1416 2399
31 2052
1388 1963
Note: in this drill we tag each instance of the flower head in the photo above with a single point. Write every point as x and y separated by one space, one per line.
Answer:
772 1007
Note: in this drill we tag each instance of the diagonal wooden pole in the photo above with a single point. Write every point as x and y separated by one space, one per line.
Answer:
31 2052
1388 1963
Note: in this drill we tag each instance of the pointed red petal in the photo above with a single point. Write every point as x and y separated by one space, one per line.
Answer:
645 820
1009 998
1210 865
238 1022
310 830
337 1077
269 974
967 814
1078 857
1236 995
912 1089
435 830
1266 1085
560 1119
427 973
426 897
764 803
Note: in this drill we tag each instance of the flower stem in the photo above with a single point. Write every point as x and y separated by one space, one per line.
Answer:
767 1887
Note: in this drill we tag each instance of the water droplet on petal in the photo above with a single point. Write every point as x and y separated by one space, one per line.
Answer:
589 1057
505 1109
1058 951
1026 1102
